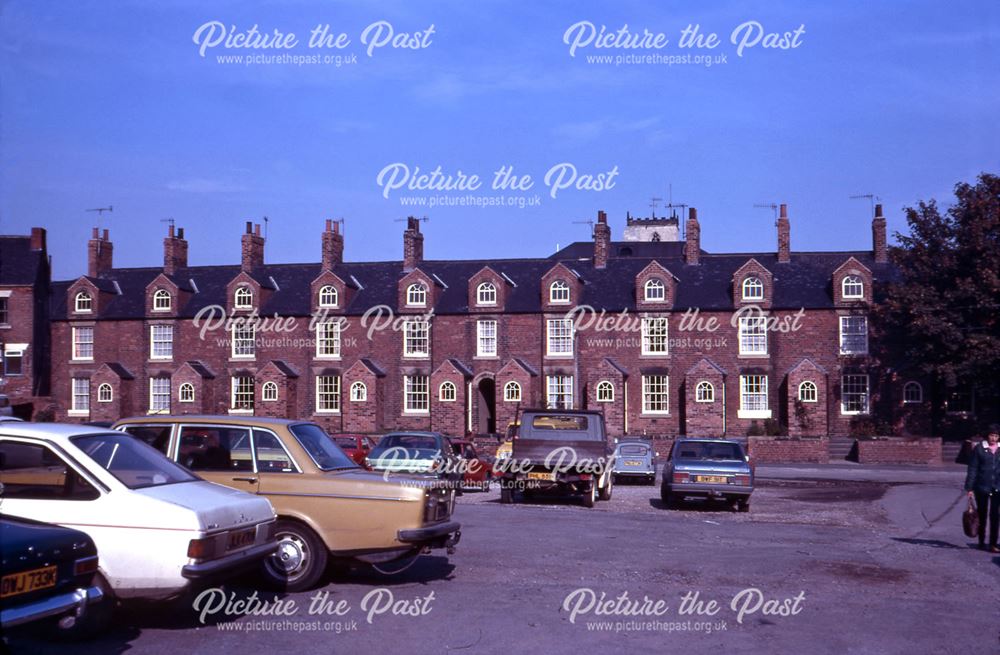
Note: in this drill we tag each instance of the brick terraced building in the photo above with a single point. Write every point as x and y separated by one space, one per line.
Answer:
675 341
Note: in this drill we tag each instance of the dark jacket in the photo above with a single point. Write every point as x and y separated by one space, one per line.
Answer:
983 475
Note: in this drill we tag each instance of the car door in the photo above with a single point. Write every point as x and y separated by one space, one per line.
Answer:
220 454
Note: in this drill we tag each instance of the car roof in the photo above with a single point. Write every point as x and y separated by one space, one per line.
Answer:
709 440
57 432
211 418
418 433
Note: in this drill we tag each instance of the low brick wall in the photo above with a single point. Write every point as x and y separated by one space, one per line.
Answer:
784 450
899 451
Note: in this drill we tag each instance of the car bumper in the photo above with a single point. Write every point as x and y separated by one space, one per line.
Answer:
73 601
442 535
710 490
635 474
230 563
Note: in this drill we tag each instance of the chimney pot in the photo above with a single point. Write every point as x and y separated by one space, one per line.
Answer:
97 234
783 210
38 238
878 210
329 224
249 227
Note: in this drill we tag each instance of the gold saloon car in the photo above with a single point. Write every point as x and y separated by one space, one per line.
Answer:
327 505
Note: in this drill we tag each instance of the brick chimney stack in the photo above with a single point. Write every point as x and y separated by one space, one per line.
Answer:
692 243
333 246
413 244
602 240
175 251
99 251
253 248
879 245
784 236
38 239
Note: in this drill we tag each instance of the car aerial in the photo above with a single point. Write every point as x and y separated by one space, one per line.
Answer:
355 446
633 460
714 469
327 506
477 469
48 572
559 450
160 530
425 453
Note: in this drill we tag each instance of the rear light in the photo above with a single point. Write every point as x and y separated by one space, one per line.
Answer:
681 478
201 548
585 476
742 480
85 565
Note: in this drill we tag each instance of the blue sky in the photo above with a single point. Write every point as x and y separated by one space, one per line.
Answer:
111 103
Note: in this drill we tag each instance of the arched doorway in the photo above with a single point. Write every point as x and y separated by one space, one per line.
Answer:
486 406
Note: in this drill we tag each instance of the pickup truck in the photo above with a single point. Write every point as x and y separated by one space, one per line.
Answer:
558 451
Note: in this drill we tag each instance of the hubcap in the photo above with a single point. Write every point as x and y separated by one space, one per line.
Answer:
291 557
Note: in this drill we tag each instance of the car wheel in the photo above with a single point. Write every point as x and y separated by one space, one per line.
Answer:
667 498
300 560
743 505
608 488
506 494
591 496
96 617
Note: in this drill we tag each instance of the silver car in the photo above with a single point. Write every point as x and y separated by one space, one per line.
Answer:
634 461
713 469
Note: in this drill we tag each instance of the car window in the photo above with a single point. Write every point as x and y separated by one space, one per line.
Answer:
134 463
345 442
322 450
271 455
710 451
632 450
157 436
215 448
32 471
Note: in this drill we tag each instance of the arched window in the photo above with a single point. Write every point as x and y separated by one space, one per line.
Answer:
328 296
512 392
359 392
447 392
186 393
269 392
605 392
243 298
753 289
416 295
808 392
704 392
913 392
105 394
558 292
655 291
852 287
161 300
84 303
486 294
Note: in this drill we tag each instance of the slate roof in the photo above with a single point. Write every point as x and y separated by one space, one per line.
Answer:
804 282
18 262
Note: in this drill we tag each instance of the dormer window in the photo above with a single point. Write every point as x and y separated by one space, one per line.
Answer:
84 302
161 300
243 298
655 291
416 295
558 292
852 288
753 289
486 294
328 296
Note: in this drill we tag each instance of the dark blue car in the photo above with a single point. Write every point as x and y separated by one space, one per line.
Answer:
712 469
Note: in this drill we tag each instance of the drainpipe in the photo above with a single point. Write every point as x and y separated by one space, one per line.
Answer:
626 407
468 405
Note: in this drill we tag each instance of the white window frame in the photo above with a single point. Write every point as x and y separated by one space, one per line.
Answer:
105 393
327 394
447 392
559 293
83 303
755 402
416 394
656 394
853 281
359 392
915 399
244 341
850 383
651 336
704 392
417 339
241 387
416 295
605 392
486 294
328 340
159 390
166 345
80 344
79 389
512 392
808 392
162 300
559 337
328 296
752 336
846 344
752 288
654 290
243 298
559 391
185 393
269 392
486 338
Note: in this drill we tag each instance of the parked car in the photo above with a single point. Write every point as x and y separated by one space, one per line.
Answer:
633 460
477 469
715 469
545 433
48 572
327 505
159 528
5 407
425 453
355 446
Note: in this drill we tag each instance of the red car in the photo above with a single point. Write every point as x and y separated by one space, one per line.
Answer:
478 468
356 446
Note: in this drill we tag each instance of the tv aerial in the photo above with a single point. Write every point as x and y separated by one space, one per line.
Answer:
871 197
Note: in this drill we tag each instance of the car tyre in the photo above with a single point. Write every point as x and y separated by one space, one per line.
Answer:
743 505
301 558
608 488
668 498
591 496
506 494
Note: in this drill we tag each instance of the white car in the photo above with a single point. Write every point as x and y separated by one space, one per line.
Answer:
158 528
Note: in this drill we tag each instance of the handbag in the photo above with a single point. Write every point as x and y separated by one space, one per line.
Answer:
970 520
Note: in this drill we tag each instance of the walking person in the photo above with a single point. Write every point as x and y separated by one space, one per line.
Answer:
982 481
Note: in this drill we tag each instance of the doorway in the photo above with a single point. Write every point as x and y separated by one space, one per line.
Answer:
486 400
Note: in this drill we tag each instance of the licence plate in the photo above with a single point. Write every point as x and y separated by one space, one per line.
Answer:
242 538
541 476
711 479
632 462
27 581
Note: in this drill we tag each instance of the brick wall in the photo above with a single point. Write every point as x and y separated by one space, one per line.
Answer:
766 450
899 451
